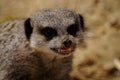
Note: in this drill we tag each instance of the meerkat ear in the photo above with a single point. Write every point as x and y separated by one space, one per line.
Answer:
28 28
81 22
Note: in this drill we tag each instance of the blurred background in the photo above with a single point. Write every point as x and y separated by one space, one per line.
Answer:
99 59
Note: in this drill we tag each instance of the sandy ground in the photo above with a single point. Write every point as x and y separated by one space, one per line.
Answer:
100 58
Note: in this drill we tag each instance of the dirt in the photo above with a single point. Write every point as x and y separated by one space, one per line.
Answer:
99 59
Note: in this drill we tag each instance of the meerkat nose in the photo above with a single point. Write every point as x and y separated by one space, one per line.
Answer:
67 43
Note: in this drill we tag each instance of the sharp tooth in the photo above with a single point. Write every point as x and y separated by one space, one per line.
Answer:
58 50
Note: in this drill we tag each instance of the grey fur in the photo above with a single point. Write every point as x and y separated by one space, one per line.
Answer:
33 59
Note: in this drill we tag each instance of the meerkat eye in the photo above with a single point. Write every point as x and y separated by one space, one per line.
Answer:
48 32
72 29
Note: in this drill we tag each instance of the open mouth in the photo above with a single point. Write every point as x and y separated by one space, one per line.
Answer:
64 51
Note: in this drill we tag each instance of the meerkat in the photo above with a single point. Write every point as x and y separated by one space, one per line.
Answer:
40 47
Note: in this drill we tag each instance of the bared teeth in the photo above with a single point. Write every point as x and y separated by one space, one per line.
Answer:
59 50
65 50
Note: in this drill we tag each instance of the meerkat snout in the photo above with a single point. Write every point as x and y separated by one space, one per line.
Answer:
67 43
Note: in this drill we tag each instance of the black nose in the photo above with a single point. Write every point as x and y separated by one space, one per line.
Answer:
67 43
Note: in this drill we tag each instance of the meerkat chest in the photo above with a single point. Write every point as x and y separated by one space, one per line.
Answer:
57 70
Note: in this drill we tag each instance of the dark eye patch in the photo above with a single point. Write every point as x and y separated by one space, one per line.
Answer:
72 29
48 32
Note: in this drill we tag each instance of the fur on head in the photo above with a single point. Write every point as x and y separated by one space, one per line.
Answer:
57 31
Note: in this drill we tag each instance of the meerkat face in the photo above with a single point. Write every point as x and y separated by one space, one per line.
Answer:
55 31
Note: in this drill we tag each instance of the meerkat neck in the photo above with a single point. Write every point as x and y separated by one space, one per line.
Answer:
52 60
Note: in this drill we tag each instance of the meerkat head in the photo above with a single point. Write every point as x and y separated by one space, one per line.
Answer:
56 31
